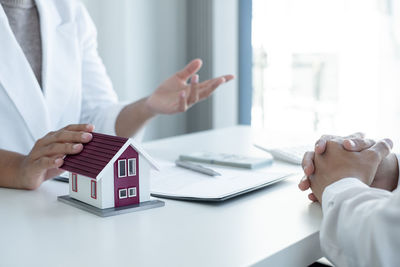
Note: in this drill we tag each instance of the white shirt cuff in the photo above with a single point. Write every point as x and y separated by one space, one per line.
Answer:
109 118
338 187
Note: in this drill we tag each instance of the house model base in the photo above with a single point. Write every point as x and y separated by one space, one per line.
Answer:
111 211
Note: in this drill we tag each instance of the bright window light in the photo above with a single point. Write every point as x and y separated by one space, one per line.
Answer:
326 66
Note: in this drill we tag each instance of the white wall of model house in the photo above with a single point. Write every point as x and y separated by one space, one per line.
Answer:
144 179
105 183
84 190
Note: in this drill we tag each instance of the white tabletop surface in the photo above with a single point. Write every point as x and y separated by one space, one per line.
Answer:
274 226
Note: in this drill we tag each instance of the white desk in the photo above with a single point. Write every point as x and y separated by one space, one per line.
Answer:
275 226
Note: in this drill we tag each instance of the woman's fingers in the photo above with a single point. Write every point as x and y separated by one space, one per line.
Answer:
200 91
79 127
205 92
194 90
182 105
58 149
194 79
189 69
229 77
66 136
65 141
208 83
45 163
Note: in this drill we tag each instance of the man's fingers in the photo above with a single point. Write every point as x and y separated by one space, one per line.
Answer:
320 145
312 197
389 142
354 142
308 163
190 69
357 144
304 184
357 135
380 150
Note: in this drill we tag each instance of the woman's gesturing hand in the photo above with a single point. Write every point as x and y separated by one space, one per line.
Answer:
176 95
47 155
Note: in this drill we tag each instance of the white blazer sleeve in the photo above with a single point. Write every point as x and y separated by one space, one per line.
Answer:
99 101
361 225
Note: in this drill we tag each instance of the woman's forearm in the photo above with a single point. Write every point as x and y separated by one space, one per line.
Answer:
9 168
132 118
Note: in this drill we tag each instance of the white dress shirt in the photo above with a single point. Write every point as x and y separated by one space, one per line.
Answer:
361 225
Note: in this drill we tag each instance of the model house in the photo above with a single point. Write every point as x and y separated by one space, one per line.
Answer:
110 172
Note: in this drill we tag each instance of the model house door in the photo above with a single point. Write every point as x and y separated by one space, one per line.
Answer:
126 178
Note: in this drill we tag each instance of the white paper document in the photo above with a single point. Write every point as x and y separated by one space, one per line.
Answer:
176 182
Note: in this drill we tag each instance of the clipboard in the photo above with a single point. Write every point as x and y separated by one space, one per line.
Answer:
181 184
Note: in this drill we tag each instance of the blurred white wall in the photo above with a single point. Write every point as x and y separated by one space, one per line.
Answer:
142 42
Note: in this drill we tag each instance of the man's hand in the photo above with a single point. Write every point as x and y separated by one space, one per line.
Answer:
354 142
177 95
47 155
386 176
337 163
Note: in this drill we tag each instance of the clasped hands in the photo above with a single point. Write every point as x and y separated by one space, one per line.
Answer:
335 158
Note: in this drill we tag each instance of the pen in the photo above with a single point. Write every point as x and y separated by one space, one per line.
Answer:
196 168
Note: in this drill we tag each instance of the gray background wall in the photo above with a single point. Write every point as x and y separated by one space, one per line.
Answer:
143 42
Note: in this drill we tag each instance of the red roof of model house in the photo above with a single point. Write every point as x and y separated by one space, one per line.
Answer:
96 154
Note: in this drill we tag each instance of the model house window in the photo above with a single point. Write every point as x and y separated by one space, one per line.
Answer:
131 167
132 192
74 182
122 168
122 193
93 191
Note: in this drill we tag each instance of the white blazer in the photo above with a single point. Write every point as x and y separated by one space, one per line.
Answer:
76 88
